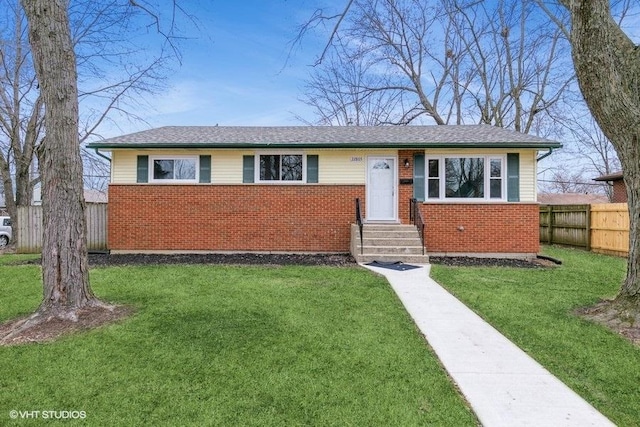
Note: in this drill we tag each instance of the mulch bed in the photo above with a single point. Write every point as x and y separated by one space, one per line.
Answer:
340 260
336 260
88 319
490 262
620 315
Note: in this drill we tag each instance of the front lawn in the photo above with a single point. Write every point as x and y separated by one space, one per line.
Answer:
11 259
534 308
212 345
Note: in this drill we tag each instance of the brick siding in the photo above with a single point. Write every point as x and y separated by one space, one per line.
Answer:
619 191
304 218
289 218
481 228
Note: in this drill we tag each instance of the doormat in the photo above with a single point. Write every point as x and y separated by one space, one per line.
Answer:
398 265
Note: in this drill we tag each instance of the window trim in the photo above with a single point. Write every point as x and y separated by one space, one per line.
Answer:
153 158
256 167
487 178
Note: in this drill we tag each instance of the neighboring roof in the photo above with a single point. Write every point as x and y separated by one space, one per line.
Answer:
571 198
611 177
90 195
458 136
95 196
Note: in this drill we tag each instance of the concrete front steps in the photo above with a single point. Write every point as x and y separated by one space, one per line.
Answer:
388 243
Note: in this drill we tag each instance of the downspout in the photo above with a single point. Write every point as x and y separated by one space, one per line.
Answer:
102 155
545 155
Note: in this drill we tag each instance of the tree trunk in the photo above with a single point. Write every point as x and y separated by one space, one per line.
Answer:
631 285
607 64
64 249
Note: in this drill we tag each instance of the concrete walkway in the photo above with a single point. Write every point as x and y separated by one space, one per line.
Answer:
503 385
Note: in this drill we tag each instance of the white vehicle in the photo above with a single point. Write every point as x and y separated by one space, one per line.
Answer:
5 231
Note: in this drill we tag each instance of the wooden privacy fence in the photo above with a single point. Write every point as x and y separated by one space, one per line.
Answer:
610 228
602 227
30 228
565 225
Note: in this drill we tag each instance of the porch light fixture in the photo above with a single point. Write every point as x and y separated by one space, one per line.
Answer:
406 163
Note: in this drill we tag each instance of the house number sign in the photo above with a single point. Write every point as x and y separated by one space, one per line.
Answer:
356 158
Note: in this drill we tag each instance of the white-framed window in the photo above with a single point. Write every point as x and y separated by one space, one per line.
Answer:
280 167
173 168
465 178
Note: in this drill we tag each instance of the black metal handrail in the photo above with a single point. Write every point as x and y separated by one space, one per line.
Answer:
415 217
360 225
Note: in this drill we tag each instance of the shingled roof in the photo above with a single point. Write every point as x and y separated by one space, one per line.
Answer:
458 136
616 176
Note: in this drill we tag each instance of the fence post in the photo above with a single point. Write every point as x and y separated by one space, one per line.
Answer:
588 226
550 222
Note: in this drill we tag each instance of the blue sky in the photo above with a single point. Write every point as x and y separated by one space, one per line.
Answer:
236 68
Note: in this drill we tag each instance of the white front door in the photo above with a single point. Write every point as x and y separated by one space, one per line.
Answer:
381 189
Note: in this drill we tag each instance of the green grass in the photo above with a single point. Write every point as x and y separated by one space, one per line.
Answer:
213 345
534 309
11 259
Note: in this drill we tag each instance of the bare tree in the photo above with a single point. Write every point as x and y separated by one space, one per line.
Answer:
338 94
587 144
66 289
391 38
455 62
21 110
65 270
516 61
395 35
115 71
571 179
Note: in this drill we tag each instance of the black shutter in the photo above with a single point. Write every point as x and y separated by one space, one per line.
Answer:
205 169
143 169
418 177
248 169
312 169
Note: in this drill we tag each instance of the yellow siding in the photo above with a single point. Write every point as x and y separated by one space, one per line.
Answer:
124 166
124 163
345 166
528 176
336 166
226 166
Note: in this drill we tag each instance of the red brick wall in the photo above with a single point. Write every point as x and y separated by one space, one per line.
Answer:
292 218
309 218
483 227
619 192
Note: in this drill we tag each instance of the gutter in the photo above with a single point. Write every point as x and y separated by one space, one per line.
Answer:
545 155
99 154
